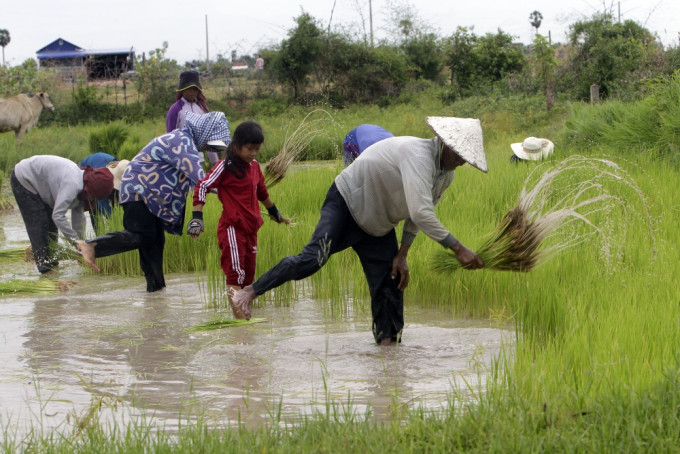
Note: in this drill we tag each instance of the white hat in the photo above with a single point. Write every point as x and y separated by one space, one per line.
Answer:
463 136
533 149
117 168
217 143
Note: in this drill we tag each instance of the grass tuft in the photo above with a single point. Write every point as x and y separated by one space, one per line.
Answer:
312 125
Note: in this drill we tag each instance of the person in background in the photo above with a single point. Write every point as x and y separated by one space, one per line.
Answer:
189 98
46 187
239 182
259 65
399 178
153 194
360 138
532 149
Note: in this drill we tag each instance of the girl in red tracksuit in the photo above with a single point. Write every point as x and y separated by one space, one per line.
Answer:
240 186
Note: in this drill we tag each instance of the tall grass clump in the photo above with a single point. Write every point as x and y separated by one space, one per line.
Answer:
651 124
108 139
578 189
296 143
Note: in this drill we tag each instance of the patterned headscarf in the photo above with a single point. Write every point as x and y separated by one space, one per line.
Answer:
207 127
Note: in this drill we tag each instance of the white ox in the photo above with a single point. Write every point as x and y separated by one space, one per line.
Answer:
19 113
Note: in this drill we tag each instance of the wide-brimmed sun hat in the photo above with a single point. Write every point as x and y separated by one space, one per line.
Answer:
117 169
533 149
462 135
188 79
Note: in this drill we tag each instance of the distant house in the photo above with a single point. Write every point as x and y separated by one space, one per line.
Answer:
239 66
97 64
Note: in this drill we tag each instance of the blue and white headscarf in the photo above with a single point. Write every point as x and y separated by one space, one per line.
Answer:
208 127
164 171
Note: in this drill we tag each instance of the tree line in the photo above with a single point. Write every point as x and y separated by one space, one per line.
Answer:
316 64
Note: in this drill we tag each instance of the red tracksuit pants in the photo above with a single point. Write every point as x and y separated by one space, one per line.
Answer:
239 253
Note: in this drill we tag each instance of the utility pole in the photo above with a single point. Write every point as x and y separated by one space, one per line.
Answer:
207 54
370 19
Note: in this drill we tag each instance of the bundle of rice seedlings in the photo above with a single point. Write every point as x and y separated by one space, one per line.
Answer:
294 144
17 254
573 191
39 287
220 323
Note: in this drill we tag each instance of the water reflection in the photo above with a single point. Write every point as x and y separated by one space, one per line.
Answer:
106 337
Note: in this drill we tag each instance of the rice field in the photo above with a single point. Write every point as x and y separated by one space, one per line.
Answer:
595 365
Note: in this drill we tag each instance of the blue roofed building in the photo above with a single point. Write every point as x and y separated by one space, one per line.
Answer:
95 64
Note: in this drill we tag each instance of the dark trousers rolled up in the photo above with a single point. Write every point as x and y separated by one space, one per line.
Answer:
144 232
335 232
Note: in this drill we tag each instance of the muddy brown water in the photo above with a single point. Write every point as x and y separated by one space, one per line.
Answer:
107 344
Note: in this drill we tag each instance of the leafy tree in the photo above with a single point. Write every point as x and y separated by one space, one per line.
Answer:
298 55
606 53
4 40
425 55
535 18
461 59
355 72
497 56
479 62
544 64
156 78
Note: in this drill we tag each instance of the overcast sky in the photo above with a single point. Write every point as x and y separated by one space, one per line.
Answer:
246 26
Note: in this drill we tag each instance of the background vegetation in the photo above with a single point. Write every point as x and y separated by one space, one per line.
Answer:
341 67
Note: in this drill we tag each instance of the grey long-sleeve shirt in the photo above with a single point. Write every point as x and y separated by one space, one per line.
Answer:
57 181
397 179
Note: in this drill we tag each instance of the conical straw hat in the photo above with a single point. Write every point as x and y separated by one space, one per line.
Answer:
463 136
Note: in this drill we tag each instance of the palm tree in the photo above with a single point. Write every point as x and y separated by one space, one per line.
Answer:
536 17
4 40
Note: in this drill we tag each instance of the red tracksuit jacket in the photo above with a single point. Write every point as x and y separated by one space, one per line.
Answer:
240 197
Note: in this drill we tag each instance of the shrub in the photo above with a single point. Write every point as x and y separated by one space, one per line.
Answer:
108 139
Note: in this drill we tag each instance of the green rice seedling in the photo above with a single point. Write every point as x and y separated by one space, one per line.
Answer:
18 254
577 189
219 323
312 125
39 287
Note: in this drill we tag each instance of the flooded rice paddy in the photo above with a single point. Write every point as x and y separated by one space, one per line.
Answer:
109 346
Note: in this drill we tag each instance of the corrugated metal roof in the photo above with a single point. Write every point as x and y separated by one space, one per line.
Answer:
60 48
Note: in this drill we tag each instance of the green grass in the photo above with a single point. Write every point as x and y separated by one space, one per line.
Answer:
595 364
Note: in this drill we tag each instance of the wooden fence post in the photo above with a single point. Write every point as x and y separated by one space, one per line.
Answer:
594 94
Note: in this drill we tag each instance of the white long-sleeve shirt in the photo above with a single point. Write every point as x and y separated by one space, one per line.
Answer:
57 181
397 179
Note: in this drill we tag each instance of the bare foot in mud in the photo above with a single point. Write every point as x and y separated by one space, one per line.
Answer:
87 252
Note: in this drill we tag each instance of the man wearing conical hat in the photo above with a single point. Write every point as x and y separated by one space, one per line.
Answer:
396 179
